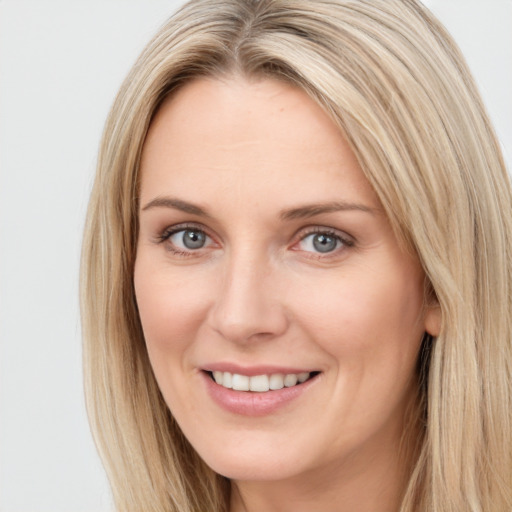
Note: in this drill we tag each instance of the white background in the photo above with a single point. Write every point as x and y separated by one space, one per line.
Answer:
61 63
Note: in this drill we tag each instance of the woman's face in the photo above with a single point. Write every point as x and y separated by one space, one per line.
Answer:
264 257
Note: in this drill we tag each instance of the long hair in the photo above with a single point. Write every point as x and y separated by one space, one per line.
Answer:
397 86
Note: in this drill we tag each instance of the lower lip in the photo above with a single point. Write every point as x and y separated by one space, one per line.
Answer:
252 403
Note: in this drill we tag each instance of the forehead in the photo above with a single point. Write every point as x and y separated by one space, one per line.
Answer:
234 109
247 134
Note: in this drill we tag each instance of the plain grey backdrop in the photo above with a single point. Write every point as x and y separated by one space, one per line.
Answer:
61 63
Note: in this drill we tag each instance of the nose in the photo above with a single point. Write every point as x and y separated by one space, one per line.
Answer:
249 305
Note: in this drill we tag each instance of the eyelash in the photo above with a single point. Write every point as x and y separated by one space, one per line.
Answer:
345 240
169 232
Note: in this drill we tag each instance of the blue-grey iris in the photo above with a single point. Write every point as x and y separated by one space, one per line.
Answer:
193 239
324 243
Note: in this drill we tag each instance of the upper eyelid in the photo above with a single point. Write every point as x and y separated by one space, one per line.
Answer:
314 229
164 239
299 235
163 236
176 228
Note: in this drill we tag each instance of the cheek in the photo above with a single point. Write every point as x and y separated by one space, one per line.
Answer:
366 316
171 306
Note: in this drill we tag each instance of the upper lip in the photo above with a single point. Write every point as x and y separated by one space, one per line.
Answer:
251 371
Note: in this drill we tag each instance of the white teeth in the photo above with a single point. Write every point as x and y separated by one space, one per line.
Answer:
276 381
303 377
290 380
240 382
228 380
259 383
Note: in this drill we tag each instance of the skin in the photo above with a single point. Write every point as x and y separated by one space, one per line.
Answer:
258 292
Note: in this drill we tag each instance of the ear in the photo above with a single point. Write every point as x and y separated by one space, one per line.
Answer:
433 319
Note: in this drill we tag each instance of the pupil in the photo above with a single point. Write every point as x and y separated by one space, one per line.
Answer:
324 243
193 239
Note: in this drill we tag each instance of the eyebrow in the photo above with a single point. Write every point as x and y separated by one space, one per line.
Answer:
300 212
311 210
176 204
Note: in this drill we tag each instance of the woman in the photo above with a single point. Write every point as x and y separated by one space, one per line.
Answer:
296 268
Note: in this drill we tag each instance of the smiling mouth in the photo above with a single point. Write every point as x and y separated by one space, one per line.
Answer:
260 383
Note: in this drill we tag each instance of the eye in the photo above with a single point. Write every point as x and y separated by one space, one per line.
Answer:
322 242
186 240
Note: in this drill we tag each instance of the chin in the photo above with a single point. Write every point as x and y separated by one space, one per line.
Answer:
257 462
250 470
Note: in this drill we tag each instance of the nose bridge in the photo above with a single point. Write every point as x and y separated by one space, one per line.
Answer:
248 305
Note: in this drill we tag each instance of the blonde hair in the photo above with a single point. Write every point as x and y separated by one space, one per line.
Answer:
394 81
